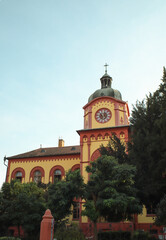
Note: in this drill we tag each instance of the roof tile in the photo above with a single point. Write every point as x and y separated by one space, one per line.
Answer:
47 152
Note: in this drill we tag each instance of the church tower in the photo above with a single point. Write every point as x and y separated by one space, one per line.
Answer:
104 114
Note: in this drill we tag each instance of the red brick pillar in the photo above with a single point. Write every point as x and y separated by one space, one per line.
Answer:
47 226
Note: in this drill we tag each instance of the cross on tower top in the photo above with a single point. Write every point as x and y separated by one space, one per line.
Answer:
106 65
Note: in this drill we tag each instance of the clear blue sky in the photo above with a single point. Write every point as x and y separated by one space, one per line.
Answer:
52 54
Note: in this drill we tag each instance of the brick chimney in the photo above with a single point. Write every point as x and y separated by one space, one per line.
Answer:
61 143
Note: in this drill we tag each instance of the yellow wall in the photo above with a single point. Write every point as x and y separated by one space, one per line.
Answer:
85 160
45 164
96 145
142 218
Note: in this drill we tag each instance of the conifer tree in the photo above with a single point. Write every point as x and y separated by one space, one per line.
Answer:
161 212
116 148
148 146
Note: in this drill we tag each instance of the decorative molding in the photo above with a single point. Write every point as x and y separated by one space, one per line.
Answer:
103 99
84 162
43 159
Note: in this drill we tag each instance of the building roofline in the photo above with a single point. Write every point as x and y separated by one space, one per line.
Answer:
43 152
95 129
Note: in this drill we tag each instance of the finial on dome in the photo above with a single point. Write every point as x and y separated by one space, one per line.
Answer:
106 89
106 65
106 79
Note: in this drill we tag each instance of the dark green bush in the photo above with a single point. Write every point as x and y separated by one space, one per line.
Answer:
122 235
70 233
119 235
141 235
104 236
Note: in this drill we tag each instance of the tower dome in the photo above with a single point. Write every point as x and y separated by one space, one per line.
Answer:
106 89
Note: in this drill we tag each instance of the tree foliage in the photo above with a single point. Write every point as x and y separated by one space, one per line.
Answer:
22 205
161 212
61 195
70 233
148 149
115 148
110 191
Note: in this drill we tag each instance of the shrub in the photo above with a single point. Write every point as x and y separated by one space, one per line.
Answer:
104 235
119 235
141 235
69 233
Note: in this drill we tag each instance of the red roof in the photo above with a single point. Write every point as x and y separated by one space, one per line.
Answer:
47 152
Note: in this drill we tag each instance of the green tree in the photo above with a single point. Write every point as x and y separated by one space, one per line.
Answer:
161 212
22 205
116 148
61 195
148 146
110 191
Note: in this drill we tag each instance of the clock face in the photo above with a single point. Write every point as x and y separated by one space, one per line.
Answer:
103 115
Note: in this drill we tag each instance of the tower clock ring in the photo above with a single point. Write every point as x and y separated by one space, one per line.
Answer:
103 115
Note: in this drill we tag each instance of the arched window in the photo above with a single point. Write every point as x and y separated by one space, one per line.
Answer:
56 173
18 176
37 176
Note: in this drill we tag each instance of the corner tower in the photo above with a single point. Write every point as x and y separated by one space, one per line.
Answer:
104 114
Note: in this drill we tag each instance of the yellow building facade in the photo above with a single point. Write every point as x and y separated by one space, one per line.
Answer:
104 114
